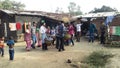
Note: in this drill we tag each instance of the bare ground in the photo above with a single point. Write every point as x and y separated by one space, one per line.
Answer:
54 59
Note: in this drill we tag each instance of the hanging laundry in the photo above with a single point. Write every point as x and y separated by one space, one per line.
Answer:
18 25
115 30
12 26
109 19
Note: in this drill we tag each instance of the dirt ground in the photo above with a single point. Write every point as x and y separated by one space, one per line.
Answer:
54 59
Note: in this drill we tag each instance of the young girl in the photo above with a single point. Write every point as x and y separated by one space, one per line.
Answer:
2 46
53 34
27 38
39 41
11 43
71 32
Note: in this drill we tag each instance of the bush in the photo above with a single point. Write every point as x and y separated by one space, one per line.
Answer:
98 59
113 44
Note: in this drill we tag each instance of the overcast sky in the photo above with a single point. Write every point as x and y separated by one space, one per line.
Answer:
51 5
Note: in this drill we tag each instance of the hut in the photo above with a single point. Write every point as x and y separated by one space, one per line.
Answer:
98 18
11 22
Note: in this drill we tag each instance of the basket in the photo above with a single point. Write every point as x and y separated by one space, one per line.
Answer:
48 42
67 36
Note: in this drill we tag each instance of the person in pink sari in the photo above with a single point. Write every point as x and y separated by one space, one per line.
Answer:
27 38
71 32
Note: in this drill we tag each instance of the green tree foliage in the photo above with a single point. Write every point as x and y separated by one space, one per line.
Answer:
74 9
103 9
78 12
18 5
6 4
11 5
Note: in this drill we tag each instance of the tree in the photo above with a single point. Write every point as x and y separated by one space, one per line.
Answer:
18 5
103 9
59 10
11 5
74 9
78 11
7 4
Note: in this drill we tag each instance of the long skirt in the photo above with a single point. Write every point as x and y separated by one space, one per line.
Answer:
28 47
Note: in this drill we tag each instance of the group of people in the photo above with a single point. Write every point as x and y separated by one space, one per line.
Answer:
56 33
45 33
33 36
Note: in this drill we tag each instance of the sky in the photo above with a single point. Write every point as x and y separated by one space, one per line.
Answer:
51 5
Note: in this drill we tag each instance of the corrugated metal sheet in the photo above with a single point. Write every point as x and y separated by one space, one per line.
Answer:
8 12
92 15
39 13
28 13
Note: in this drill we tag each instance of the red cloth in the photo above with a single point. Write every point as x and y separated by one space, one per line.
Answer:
18 25
71 30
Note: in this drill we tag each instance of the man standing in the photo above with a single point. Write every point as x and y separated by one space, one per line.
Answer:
92 29
33 32
78 29
103 30
43 36
60 36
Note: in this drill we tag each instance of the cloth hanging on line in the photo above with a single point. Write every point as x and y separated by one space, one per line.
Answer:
12 26
109 19
115 30
18 25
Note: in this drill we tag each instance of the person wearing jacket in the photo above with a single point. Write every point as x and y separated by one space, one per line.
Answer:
92 29
60 36
10 44
103 30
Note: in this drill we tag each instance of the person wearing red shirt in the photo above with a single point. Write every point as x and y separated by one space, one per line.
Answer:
2 46
71 32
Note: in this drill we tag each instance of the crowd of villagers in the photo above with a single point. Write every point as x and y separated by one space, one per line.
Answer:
58 36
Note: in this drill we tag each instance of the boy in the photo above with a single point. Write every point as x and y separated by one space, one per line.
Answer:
10 43
2 46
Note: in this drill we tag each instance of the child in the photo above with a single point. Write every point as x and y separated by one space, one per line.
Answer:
27 38
10 43
2 46
39 41
53 35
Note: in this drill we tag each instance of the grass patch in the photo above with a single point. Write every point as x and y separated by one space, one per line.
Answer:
113 44
98 59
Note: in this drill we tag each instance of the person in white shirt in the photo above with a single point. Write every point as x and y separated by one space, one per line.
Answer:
43 36
78 30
